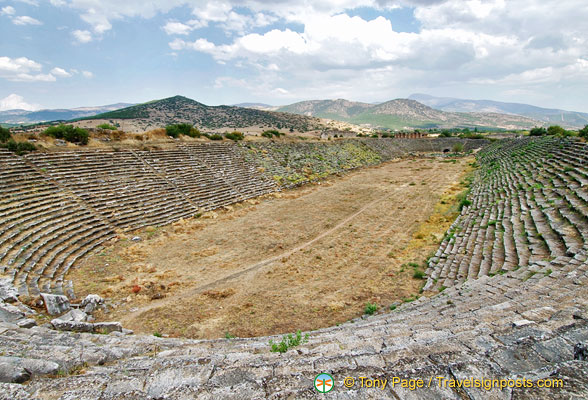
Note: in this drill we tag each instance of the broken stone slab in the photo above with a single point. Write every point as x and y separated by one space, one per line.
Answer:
91 302
72 326
107 327
10 313
55 304
26 323
75 316
8 292
19 370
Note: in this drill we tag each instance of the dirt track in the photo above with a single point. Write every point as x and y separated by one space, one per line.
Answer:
303 259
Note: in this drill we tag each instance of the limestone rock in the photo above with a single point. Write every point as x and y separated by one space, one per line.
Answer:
55 304
75 316
10 313
581 352
27 323
107 327
91 302
19 370
8 292
72 326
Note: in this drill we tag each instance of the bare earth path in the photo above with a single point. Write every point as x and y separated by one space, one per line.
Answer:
303 259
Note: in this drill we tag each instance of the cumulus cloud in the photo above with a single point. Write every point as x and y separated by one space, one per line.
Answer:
16 102
23 69
509 46
87 74
8 10
82 36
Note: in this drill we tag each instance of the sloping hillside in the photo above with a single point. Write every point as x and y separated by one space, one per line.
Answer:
179 109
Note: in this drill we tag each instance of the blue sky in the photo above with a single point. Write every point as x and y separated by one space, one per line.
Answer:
70 53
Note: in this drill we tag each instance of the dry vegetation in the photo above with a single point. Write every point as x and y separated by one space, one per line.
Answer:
303 259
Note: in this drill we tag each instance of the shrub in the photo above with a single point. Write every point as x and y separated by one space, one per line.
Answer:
418 274
215 136
445 133
107 127
464 203
4 135
583 132
457 148
68 133
182 129
235 136
370 308
556 130
271 133
19 148
288 341
538 131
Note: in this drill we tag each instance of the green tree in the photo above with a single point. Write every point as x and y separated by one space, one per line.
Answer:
4 135
445 133
538 131
556 130
583 132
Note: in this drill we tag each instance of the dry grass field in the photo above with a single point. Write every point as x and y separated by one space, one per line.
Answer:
306 258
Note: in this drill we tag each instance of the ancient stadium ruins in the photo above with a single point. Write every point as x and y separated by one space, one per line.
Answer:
504 298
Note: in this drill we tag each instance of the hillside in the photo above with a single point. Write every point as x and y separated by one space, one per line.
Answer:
179 109
18 117
570 119
404 113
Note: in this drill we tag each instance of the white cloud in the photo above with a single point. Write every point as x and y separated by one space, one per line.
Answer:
82 36
23 69
16 102
177 28
25 20
8 10
60 72
87 74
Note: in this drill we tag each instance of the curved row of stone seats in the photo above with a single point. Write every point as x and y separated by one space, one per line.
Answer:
228 165
195 180
510 326
118 185
390 148
291 164
42 227
528 206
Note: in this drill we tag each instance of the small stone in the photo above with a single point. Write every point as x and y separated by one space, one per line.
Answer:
26 323
581 352
55 304
127 331
136 238
521 322
91 302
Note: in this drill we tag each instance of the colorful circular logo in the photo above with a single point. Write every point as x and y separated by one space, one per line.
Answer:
324 383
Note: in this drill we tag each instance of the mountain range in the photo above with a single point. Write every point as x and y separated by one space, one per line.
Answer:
23 117
419 111
569 119
405 113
